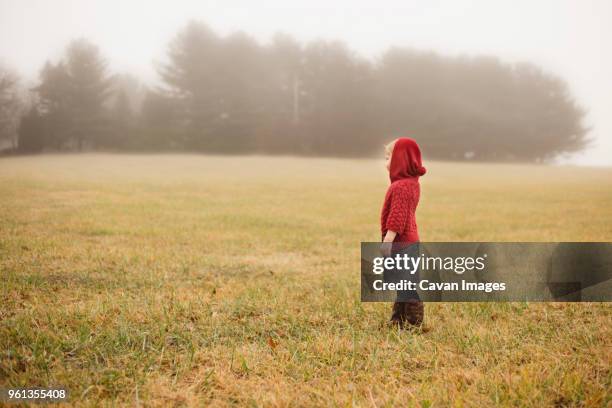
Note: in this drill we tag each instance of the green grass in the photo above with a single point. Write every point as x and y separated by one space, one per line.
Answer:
196 280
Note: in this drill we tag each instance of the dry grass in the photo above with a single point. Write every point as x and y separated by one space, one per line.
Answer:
195 280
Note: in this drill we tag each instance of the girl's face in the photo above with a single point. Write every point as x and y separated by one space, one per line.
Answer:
388 154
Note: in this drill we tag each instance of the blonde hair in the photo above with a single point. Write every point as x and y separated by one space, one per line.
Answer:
389 147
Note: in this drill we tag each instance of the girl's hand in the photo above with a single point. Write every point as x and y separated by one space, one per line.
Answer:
385 248
387 245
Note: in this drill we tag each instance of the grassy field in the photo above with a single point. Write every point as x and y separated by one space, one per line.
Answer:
195 280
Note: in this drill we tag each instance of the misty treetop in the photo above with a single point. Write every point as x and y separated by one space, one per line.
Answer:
70 103
231 94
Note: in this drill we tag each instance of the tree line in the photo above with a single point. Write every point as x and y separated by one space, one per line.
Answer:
231 94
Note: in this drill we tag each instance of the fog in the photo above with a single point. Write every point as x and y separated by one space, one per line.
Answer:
567 38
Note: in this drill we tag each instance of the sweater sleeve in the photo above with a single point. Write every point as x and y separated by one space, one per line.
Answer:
398 212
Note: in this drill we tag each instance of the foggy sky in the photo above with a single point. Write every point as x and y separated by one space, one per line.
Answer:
568 38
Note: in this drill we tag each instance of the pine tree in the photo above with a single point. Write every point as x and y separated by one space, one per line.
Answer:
72 95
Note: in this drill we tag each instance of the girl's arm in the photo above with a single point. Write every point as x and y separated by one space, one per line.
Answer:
390 236
385 249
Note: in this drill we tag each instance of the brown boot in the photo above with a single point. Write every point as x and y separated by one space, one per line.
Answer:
406 314
396 314
414 312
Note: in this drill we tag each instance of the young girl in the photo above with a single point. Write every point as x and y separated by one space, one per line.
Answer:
397 219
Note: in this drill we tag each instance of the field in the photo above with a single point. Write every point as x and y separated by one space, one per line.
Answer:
171 280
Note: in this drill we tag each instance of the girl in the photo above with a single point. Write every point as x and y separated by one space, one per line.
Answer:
397 219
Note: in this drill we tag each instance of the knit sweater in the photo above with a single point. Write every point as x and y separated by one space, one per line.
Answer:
398 210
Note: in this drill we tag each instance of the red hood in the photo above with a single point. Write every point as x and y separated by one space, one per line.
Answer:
405 160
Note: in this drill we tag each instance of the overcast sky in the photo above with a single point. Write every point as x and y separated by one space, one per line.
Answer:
569 38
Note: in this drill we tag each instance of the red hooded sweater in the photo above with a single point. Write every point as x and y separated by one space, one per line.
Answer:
402 198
